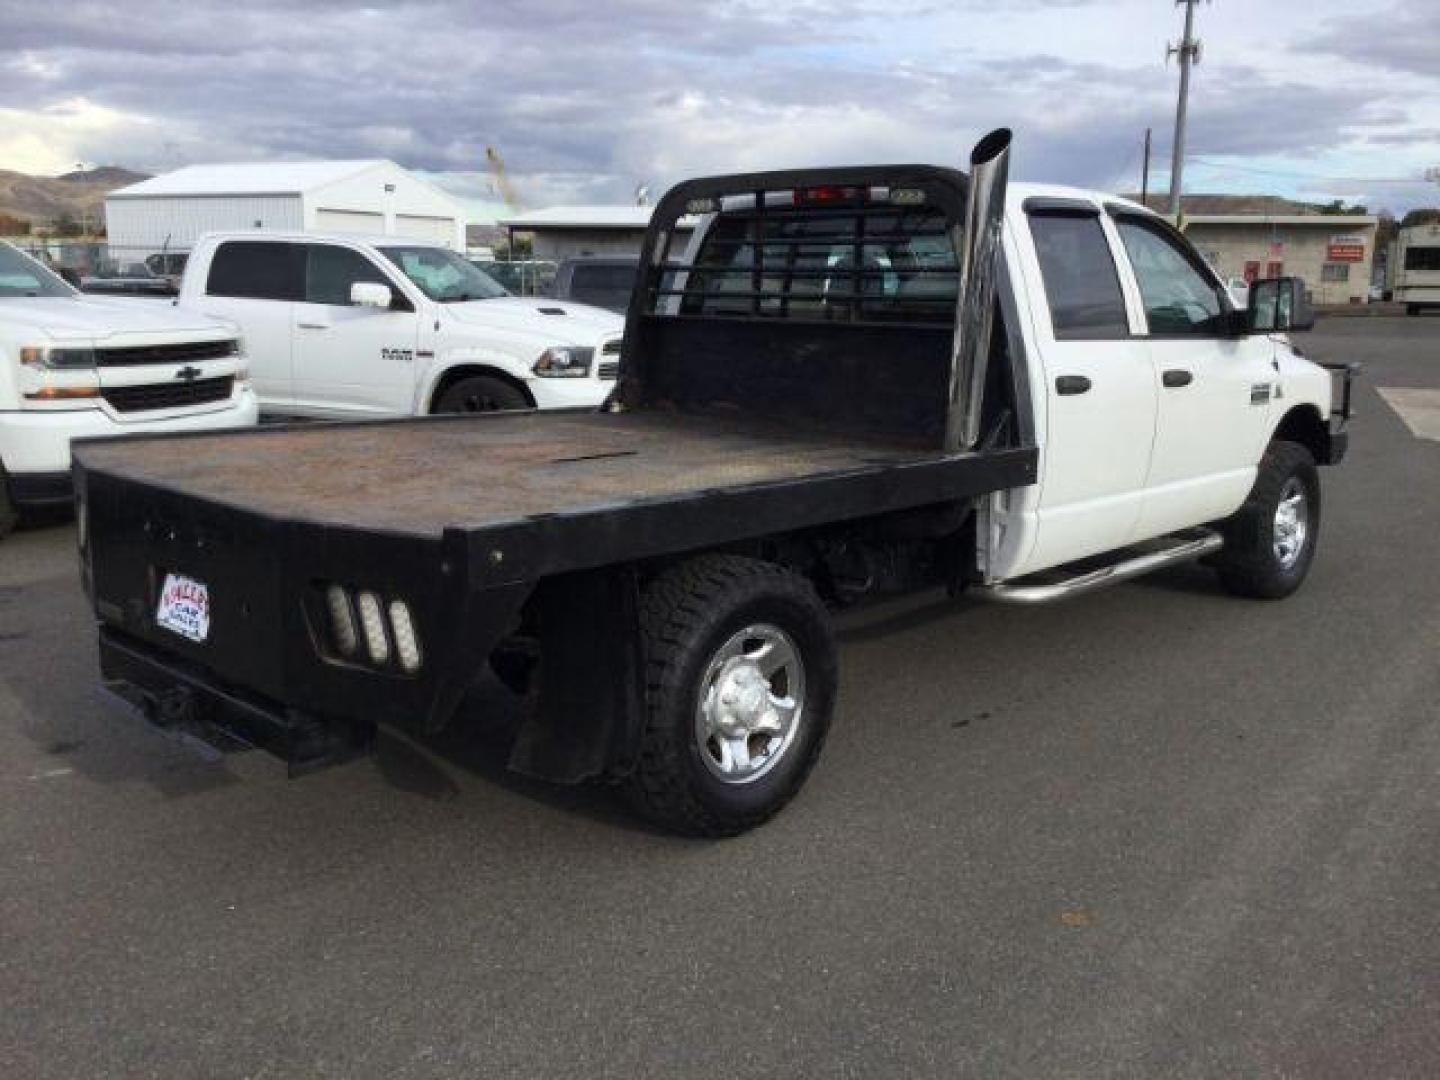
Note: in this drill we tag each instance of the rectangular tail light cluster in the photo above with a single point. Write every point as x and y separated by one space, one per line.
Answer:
363 626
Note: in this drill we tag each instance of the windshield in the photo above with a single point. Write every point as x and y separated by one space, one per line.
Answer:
21 275
442 275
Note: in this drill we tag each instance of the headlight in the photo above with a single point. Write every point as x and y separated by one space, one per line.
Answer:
564 363
50 357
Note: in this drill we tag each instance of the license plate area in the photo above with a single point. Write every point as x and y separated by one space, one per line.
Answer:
183 607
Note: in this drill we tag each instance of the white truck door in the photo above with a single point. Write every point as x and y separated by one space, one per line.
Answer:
1099 396
254 284
1215 388
352 360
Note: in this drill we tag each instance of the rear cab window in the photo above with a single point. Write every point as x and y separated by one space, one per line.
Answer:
1082 283
257 270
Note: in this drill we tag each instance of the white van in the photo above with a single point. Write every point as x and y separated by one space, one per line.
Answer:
75 366
351 327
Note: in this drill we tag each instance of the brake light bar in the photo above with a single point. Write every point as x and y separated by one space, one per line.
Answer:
829 194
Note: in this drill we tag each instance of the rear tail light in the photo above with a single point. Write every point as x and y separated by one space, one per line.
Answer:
367 629
372 622
342 621
407 645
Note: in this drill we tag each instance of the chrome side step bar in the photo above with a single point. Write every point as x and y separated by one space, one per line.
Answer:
1051 585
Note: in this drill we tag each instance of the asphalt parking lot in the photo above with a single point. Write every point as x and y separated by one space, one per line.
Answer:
1158 832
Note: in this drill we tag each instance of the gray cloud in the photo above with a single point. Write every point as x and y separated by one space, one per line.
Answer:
587 98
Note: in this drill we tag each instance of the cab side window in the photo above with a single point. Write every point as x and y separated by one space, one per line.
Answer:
1180 299
257 270
1081 282
331 270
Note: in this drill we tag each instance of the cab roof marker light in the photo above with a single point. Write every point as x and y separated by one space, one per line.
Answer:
907 197
702 206
826 194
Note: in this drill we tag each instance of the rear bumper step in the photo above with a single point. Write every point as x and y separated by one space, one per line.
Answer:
178 697
1066 582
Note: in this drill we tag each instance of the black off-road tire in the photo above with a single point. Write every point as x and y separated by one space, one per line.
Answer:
480 393
1248 564
9 514
686 615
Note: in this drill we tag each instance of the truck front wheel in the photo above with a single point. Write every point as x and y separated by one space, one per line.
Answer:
1270 542
480 393
740 680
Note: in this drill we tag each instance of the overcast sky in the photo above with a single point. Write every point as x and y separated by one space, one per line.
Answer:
588 98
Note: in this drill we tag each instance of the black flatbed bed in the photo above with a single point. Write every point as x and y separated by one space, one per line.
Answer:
420 477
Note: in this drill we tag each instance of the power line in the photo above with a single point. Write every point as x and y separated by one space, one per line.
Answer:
1308 176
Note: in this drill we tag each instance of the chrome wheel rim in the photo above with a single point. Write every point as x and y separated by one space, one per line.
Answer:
752 702
1292 523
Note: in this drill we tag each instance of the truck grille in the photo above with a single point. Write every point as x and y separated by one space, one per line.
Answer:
180 353
168 395
612 347
609 369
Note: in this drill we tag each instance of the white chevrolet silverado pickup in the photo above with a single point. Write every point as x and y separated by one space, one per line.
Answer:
74 366
851 383
349 327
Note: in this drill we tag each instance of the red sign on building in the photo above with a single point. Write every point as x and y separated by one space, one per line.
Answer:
1347 249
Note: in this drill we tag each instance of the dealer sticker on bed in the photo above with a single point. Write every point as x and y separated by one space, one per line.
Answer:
184 607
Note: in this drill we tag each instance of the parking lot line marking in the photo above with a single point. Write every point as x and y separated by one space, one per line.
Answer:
49 774
1420 409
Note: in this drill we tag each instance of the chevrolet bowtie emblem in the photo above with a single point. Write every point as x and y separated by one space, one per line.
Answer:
189 373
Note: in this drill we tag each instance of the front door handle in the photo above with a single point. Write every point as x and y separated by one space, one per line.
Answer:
1065 385
1177 377
313 324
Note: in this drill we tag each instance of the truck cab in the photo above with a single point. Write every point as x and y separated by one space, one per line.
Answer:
345 327
75 366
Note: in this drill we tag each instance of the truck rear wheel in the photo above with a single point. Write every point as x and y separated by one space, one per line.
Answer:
480 393
740 679
1270 542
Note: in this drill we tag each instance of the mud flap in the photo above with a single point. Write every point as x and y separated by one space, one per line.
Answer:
585 719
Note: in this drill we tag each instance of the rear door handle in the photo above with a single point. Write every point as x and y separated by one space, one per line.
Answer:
1065 385
312 325
1177 377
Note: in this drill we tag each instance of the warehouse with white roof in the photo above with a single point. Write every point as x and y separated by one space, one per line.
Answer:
171 211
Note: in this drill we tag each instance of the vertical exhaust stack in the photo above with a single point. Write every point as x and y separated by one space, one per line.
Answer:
978 255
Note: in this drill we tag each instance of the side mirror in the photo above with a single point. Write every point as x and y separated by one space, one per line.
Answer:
1278 305
371 295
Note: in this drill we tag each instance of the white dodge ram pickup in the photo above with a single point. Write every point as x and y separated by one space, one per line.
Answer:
75 366
349 327
853 383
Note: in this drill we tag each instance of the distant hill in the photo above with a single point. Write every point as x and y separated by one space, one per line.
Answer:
41 200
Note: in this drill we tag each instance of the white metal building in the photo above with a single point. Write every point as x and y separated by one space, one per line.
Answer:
561 232
171 211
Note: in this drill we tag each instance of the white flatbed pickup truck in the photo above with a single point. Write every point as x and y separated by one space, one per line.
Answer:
852 383
355 327
75 366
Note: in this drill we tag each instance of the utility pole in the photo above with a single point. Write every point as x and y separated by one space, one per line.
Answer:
1145 173
1189 52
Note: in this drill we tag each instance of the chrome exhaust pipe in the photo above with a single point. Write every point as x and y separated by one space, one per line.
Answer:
978 254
